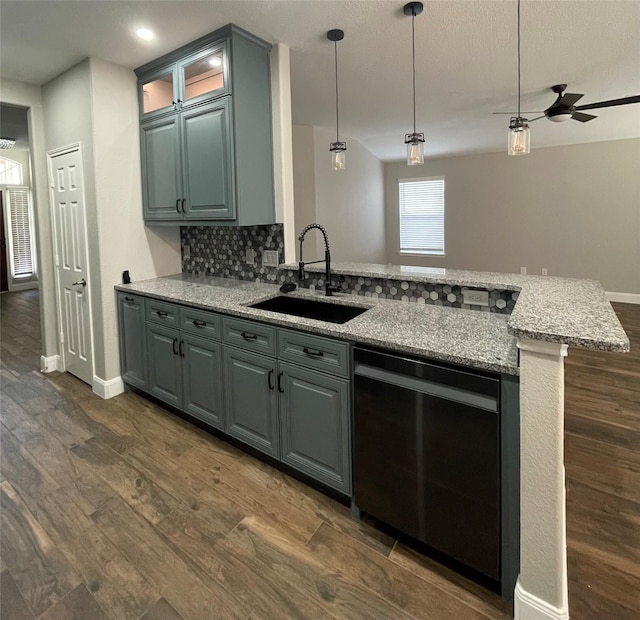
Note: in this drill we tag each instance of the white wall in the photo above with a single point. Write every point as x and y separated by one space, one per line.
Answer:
348 203
29 96
124 241
572 209
304 187
95 103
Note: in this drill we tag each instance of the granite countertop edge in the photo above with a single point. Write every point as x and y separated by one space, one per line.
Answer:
488 329
567 311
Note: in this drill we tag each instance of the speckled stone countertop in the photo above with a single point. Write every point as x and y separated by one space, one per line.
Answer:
563 310
467 337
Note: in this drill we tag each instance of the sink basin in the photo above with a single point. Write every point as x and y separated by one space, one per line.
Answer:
310 309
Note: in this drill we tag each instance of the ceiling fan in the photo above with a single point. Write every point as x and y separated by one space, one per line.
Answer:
564 107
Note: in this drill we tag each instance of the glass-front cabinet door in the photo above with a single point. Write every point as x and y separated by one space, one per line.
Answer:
158 92
204 75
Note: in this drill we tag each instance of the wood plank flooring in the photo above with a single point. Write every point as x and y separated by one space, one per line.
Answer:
118 509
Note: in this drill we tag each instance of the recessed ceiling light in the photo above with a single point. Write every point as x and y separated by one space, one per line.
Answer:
145 33
215 61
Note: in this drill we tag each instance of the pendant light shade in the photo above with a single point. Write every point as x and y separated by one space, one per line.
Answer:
415 140
338 149
518 137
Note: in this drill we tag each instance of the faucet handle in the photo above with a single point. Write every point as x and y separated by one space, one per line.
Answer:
301 274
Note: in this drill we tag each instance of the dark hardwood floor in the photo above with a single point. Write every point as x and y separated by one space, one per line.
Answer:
118 509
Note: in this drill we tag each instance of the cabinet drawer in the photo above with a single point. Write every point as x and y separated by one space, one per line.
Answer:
200 323
313 351
162 312
249 335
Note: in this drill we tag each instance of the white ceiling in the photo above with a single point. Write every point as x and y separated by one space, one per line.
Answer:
465 54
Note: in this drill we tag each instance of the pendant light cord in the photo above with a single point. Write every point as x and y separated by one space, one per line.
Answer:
335 49
518 58
413 55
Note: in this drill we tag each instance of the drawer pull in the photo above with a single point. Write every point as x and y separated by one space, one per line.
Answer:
129 299
180 348
174 345
280 388
270 380
178 205
311 353
162 314
248 336
198 323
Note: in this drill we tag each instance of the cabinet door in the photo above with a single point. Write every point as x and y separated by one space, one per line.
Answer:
202 379
161 180
133 354
204 75
207 162
314 411
158 92
251 403
165 364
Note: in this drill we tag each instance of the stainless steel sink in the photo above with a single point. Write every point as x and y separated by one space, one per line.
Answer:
310 309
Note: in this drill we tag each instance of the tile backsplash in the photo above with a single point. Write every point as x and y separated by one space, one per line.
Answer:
221 251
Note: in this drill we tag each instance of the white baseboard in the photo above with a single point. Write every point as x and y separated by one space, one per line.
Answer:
526 606
22 286
625 298
108 389
51 363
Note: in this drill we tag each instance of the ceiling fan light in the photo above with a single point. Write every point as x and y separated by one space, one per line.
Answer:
519 142
560 117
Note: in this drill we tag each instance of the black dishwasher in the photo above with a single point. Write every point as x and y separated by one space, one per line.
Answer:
427 453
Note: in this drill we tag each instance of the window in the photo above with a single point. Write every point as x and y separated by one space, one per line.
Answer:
422 216
20 234
10 172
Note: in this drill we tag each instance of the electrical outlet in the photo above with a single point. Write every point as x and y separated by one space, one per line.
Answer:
186 251
250 256
544 271
270 258
523 271
475 297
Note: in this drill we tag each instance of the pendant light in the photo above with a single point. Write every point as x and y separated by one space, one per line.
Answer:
519 139
338 149
414 141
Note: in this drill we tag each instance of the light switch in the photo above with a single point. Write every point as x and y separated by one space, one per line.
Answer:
270 258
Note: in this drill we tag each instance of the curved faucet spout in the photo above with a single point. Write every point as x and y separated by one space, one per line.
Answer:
329 290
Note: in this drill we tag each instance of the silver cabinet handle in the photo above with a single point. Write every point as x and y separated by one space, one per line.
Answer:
82 282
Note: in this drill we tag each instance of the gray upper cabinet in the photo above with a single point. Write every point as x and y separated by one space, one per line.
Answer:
133 356
207 152
314 410
161 178
206 162
251 399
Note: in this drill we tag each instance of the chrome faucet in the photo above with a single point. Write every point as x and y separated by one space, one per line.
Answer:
328 288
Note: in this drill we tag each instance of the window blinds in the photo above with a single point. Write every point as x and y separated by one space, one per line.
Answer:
422 216
20 225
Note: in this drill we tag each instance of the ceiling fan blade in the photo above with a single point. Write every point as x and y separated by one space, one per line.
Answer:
610 103
568 99
583 118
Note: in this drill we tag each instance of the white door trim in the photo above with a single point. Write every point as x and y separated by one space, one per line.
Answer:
65 150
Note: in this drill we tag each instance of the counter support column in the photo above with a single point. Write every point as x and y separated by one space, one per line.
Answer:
541 591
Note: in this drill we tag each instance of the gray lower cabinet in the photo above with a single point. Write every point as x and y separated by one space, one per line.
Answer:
133 355
165 364
202 380
251 400
314 414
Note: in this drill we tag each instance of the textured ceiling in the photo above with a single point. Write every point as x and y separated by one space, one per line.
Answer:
465 55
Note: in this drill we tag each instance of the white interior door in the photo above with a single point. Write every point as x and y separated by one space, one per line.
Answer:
72 277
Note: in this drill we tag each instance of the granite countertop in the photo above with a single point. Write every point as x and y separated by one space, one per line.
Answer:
467 337
562 310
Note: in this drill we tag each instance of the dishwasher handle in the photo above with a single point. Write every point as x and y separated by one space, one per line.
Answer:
430 388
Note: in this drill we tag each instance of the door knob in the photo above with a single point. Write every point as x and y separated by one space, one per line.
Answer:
82 282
